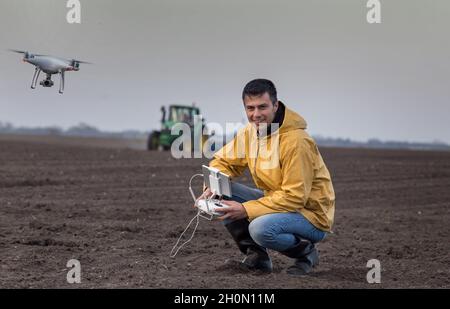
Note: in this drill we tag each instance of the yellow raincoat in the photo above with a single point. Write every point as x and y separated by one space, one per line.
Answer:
287 165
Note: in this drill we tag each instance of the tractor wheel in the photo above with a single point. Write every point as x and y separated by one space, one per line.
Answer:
153 141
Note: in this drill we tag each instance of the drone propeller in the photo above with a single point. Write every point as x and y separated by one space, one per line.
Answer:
18 51
80 61
76 63
25 53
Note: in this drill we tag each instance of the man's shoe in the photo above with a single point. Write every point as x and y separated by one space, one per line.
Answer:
306 258
257 258
259 261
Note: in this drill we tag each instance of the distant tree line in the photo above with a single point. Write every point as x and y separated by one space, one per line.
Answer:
81 130
376 143
85 130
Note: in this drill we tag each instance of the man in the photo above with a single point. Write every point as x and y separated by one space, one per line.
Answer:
292 207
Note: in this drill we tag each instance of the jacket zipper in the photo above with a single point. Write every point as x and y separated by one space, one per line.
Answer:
257 154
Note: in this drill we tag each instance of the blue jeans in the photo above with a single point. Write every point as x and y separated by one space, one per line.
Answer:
277 231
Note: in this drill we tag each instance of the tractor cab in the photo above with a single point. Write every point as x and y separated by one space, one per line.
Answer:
176 114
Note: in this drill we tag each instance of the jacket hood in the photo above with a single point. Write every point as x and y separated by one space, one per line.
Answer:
292 121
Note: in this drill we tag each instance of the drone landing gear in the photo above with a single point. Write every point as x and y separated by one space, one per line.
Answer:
47 82
37 71
61 83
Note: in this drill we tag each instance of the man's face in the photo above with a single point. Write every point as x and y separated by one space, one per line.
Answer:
260 109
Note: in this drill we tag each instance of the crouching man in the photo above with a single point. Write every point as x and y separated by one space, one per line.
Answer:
292 206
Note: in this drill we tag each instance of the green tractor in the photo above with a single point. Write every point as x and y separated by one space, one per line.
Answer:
162 140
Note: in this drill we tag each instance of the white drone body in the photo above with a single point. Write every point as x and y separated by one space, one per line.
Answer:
49 65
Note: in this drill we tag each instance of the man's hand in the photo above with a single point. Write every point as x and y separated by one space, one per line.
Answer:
234 211
207 193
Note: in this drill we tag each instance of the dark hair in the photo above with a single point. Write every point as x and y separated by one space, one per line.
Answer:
258 87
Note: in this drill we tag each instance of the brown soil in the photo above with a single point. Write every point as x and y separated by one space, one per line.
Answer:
119 211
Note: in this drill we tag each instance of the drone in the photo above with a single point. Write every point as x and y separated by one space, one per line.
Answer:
49 65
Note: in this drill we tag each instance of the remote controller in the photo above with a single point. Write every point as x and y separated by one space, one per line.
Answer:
211 206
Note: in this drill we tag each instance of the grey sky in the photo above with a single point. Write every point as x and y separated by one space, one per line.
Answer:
346 77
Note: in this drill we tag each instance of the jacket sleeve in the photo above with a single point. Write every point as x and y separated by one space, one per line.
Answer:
231 158
298 165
